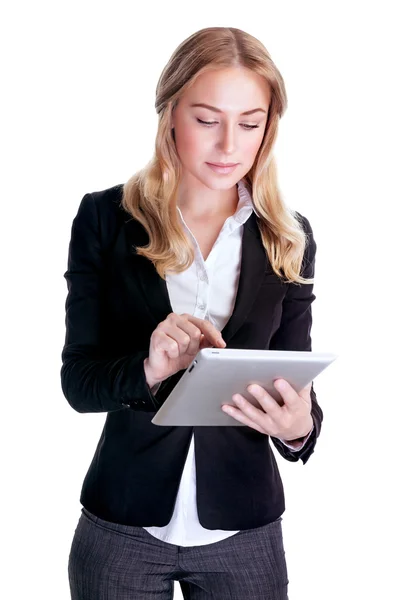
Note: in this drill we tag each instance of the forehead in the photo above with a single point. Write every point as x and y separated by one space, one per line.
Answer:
230 90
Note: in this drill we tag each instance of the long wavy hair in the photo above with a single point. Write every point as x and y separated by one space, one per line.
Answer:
150 195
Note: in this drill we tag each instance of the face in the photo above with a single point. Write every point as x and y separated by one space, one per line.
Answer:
219 132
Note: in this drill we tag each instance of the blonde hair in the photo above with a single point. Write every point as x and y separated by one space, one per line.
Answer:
150 194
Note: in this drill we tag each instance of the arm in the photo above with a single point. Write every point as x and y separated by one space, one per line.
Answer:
90 381
294 333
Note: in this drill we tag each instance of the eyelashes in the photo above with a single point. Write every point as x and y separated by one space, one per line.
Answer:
209 123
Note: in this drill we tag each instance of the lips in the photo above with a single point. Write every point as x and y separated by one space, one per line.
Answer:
228 168
223 164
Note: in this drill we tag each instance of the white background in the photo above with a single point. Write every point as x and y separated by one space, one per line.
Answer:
78 116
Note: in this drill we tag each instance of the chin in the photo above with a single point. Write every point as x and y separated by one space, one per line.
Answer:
219 183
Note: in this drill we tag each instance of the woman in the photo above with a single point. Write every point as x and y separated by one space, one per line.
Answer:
187 255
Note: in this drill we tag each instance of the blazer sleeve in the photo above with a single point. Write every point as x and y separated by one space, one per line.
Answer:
294 333
92 381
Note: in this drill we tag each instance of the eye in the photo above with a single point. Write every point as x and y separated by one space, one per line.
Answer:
209 123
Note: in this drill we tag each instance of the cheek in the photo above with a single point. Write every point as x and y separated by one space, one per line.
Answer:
190 143
251 147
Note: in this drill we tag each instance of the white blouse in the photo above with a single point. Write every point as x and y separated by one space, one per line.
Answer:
207 289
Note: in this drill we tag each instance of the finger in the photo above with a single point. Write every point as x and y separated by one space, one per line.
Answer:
260 417
162 342
242 418
291 398
306 391
267 402
205 343
193 331
210 332
187 337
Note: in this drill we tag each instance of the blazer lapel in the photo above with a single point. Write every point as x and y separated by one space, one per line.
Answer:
154 289
152 286
253 264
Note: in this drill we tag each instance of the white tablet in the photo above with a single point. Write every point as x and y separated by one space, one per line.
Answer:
216 374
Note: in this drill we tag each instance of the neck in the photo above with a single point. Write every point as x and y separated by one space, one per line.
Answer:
200 202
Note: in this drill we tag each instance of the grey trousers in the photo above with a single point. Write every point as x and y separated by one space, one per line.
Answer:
108 561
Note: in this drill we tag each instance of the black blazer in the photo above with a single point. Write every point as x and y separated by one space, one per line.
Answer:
115 301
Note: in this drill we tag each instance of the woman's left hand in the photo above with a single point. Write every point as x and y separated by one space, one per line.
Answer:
288 422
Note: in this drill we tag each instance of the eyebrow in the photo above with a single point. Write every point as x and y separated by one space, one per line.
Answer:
247 112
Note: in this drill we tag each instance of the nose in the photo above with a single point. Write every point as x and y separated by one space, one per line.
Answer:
227 140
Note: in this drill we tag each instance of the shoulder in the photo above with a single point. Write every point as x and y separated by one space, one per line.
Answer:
102 211
103 202
107 200
311 245
305 223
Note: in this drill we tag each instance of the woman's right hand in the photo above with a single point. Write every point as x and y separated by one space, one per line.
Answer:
175 342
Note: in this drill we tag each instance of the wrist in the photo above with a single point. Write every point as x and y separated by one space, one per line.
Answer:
150 379
294 442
